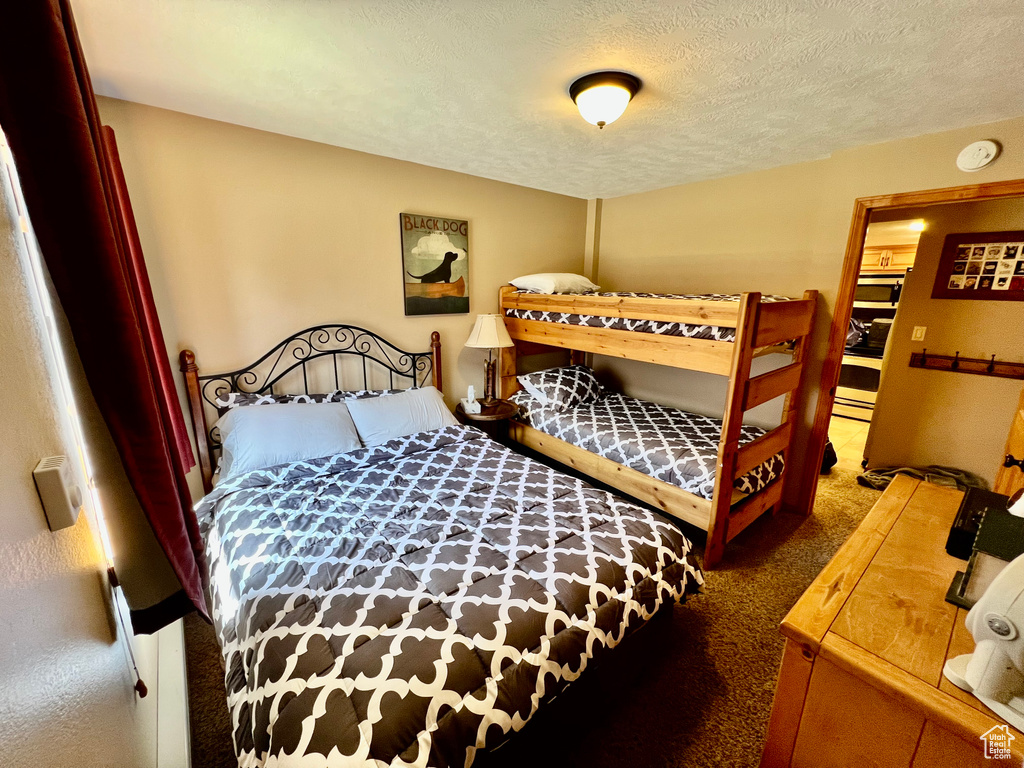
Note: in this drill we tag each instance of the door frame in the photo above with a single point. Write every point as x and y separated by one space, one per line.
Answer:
862 209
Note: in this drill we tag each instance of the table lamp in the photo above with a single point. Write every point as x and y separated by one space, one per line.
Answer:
489 333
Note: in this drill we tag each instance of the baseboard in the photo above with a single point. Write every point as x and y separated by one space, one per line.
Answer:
174 749
162 716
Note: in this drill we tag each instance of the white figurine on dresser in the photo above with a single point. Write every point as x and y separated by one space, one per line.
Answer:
995 671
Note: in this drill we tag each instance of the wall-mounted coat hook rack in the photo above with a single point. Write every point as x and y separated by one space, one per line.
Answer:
980 366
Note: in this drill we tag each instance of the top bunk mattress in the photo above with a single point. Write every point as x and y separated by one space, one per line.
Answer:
713 332
665 443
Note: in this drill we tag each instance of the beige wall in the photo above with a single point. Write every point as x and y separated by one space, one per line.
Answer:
778 231
927 417
250 236
66 696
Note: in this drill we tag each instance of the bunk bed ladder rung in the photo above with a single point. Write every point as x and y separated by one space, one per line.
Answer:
757 452
785 320
768 386
753 507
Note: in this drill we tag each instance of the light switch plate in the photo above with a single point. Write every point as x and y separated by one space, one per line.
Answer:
918 334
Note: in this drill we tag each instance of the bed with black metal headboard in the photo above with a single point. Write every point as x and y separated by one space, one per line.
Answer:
413 600
310 359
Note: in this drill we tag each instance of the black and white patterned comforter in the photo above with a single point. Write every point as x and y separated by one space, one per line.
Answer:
714 332
665 443
414 602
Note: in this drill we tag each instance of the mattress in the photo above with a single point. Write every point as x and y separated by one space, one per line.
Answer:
714 332
665 443
415 602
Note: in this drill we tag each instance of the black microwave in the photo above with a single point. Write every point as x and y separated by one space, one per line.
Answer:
877 290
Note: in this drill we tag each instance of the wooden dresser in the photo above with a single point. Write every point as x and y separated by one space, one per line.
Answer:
861 679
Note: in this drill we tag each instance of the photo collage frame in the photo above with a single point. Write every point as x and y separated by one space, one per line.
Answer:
986 266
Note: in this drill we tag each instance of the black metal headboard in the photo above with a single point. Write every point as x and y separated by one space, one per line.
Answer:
289 365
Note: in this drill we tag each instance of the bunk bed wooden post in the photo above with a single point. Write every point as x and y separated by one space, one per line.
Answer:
508 384
435 361
188 367
794 402
732 422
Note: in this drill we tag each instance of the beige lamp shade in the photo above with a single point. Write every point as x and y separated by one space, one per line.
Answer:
489 333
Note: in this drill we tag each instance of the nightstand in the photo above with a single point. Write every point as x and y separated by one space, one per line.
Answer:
492 419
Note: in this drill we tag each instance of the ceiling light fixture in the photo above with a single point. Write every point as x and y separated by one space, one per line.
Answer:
916 226
602 97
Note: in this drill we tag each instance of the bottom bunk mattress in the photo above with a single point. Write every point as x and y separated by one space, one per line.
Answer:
414 602
668 444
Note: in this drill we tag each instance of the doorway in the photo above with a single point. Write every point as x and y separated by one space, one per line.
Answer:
890 248
890 207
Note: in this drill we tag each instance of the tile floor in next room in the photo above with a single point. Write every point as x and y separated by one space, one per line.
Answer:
848 437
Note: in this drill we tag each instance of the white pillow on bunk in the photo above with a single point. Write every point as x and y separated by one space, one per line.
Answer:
555 282
280 433
563 388
380 419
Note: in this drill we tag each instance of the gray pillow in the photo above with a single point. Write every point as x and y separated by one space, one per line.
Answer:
384 418
281 433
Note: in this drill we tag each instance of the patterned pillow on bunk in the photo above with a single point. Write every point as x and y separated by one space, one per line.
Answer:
563 388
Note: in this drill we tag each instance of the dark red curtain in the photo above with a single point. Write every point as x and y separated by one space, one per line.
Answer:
77 200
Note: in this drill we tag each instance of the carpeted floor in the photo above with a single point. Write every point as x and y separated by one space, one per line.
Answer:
692 689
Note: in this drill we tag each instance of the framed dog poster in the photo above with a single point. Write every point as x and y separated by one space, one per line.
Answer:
981 266
435 264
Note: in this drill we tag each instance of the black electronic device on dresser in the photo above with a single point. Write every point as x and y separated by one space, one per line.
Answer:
988 536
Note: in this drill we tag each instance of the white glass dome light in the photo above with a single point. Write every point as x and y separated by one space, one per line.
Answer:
603 104
602 97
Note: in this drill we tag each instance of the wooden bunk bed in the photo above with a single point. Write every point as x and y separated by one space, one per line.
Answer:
761 327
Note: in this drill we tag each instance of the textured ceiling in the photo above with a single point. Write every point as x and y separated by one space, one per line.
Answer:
479 86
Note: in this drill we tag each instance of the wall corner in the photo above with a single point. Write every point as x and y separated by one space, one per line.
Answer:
592 245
